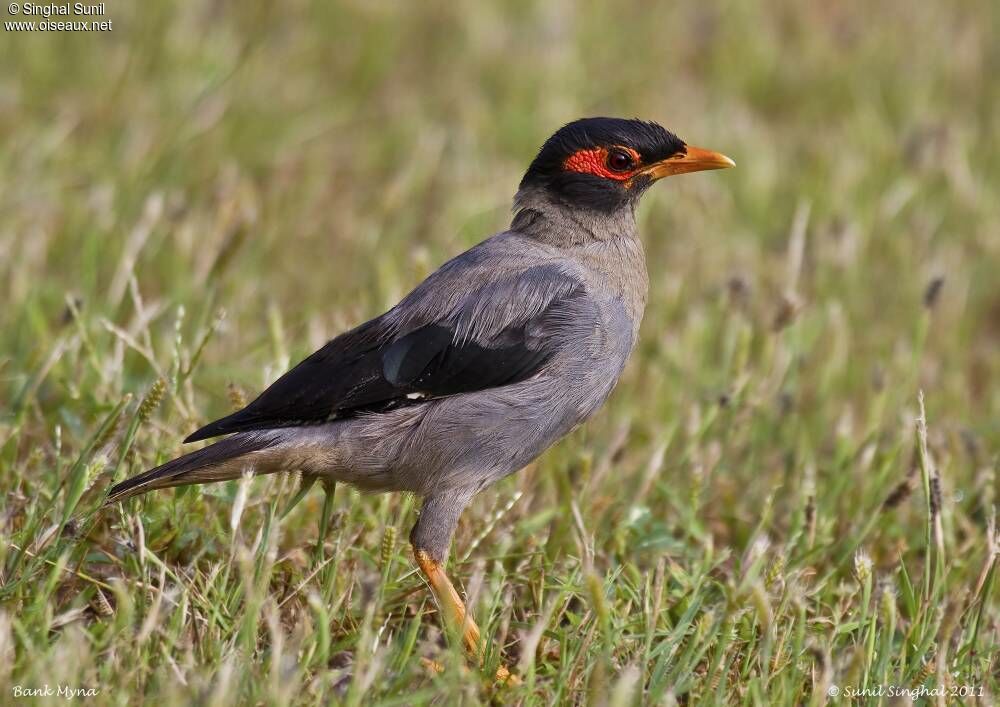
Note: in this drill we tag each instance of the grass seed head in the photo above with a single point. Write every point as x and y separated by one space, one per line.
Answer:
862 566
152 400
935 495
388 545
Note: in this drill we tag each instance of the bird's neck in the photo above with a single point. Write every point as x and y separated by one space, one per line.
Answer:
539 216
607 244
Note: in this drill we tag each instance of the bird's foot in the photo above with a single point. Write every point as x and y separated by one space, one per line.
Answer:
456 616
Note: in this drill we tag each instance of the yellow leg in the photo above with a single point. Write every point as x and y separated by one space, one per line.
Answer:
451 604
455 613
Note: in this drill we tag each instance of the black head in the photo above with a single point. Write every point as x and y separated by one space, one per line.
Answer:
607 163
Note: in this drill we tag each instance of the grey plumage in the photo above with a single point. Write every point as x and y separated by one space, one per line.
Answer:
461 443
488 362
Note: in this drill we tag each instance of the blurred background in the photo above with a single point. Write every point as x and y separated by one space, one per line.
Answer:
319 158
211 190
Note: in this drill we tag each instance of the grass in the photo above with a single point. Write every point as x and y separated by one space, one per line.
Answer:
792 489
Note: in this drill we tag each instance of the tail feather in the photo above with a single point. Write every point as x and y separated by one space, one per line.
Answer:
224 460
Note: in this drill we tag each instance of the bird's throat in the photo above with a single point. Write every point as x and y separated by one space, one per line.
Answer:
542 218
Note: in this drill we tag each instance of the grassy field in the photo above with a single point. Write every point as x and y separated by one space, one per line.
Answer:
196 199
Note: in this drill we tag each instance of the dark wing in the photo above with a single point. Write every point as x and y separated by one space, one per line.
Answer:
432 344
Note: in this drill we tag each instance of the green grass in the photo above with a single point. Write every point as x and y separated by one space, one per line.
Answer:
210 191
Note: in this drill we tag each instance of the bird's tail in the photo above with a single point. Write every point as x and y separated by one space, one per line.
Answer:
226 459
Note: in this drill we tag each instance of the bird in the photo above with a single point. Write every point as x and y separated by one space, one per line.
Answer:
484 365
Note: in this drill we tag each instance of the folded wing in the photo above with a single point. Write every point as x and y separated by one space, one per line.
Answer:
464 329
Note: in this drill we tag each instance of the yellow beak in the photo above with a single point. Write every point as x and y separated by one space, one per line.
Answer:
693 159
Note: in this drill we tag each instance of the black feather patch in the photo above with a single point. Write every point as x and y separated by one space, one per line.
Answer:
652 141
211 455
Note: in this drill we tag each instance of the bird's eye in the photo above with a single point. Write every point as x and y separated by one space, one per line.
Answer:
620 160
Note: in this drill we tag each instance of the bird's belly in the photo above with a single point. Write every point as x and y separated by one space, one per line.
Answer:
476 439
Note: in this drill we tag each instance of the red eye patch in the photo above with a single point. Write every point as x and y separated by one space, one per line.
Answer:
595 161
